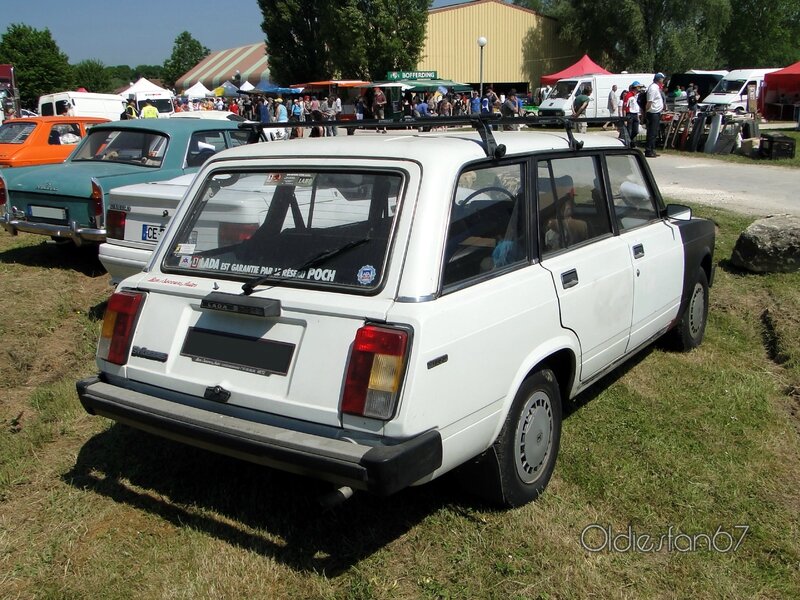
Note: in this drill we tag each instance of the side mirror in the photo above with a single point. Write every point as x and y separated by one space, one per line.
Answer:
679 212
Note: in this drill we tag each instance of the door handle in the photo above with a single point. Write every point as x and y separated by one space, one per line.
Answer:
638 251
569 279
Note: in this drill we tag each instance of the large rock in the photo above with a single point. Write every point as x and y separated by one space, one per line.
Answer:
769 245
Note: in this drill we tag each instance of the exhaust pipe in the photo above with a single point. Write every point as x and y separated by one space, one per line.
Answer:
336 497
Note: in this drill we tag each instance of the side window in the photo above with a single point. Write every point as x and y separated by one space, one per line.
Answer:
634 203
204 145
571 204
47 109
487 223
238 138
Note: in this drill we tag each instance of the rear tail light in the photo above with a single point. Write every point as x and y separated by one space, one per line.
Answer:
3 193
235 233
115 224
375 371
118 326
96 199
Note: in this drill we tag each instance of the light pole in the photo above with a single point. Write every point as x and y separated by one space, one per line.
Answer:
482 42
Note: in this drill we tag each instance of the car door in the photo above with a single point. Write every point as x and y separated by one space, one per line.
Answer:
589 265
654 246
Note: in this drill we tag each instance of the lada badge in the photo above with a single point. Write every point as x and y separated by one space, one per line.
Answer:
47 187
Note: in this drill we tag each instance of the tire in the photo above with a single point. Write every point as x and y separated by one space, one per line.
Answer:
524 454
691 328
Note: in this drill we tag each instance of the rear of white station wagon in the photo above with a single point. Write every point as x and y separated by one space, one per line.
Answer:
370 311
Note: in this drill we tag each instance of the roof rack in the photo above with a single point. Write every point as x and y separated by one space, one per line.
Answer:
484 124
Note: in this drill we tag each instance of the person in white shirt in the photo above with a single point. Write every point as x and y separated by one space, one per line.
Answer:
655 105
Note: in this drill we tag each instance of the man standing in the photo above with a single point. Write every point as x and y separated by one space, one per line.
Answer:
475 103
579 106
655 105
613 105
378 106
510 108
149 111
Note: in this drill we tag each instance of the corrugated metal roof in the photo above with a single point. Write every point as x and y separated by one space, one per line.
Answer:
218 67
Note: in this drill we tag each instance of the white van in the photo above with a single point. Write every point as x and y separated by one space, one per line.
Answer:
162 100
559 102
84 104
731 91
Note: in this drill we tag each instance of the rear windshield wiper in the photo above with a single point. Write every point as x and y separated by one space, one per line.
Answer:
314 261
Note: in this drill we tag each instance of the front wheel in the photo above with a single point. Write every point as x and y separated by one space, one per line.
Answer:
527 446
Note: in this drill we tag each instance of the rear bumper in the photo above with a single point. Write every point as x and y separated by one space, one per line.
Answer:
379 465
73 231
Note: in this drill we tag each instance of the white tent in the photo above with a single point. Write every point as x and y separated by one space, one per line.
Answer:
198 90
143 85
246 87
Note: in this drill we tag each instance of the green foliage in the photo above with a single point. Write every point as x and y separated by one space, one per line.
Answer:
772 43
148 71
92 75
186 53
347 39
41 67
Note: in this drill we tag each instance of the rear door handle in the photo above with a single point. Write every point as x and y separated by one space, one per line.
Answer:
569 279
638 251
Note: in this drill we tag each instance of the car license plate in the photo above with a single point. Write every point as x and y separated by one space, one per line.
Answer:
47 212
151 233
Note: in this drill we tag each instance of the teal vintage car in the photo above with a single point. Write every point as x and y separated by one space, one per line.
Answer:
67 201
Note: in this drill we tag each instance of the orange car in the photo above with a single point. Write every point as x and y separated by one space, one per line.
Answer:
41 140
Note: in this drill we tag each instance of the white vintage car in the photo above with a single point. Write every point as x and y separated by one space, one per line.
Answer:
377 311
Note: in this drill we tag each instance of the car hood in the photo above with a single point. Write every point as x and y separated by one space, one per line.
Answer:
74 178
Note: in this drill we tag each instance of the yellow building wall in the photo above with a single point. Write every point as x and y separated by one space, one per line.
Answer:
521 45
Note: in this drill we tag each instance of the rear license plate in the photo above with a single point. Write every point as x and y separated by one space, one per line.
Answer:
47 212
252 355
151 233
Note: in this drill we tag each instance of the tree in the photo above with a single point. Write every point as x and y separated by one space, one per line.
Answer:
92 75
773 43
346 39
186 53
646 35
41 68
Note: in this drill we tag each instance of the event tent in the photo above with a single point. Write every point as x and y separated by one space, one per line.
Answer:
142 85
198 90
585 66
227 89
246 87
782 83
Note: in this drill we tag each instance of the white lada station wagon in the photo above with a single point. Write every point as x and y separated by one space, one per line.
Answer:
376 311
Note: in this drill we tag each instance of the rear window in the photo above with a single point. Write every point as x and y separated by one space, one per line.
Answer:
303 228
15 133
145 148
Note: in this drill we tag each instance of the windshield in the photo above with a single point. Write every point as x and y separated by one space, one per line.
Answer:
729 86
123 146
562 89
316 228
15 133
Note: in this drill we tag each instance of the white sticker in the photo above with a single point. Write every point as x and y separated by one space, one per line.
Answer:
366 274
184 249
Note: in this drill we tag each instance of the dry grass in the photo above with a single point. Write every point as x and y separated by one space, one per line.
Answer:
89 509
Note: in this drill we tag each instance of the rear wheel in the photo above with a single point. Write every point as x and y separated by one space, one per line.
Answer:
690 330
517 468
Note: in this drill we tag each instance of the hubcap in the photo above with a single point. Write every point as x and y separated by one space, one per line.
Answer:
534 437
697 310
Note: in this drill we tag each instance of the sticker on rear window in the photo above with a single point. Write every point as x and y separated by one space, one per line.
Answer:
366 275
182 249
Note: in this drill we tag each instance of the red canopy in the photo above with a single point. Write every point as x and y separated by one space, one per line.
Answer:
584 66
783 82
788 78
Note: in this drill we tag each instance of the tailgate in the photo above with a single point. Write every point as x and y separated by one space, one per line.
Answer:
290 363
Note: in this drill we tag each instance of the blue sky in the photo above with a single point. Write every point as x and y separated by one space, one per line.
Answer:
139 32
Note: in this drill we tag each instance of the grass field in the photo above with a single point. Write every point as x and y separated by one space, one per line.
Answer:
698 451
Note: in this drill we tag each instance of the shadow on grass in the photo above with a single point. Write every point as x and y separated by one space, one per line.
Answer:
272 513
51 255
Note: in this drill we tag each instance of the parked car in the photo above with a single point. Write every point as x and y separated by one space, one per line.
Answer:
377 313
68 201
41 140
